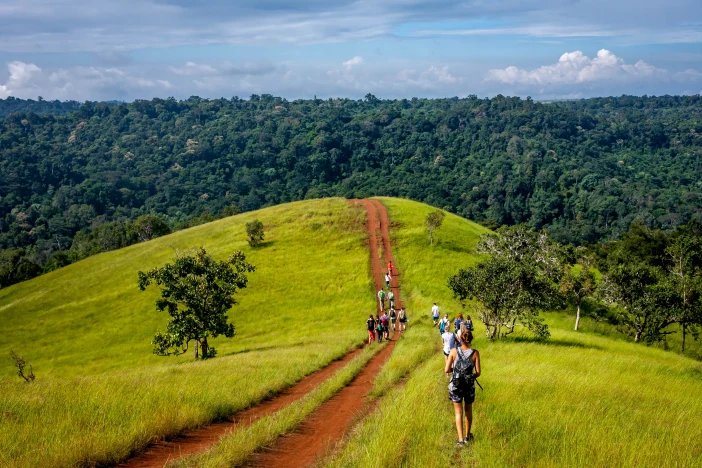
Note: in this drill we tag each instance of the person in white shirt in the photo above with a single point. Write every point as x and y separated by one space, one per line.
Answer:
388 278
449 341
444 324
435 314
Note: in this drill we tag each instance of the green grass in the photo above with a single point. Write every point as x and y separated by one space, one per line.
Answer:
234 449
581 399
100 394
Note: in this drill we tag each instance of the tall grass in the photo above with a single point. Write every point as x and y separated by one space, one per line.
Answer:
100 394
580 399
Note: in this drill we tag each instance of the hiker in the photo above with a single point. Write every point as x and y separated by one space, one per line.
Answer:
464 365
390 268
444 324
457 322
391 299
449 341
370 325
402 316
393 318
384 321
435 314
381 299
379 329
469 323
387 280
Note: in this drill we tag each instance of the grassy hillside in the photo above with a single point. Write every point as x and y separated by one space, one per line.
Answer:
86 329
580 399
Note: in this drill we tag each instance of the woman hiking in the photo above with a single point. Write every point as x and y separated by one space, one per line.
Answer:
393 318
379 329
464 365
370 325
449 342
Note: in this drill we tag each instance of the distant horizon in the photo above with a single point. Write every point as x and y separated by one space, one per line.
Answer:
356 99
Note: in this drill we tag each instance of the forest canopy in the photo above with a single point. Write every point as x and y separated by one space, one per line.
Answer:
584 170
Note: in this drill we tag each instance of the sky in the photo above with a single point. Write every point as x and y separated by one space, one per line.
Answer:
546 49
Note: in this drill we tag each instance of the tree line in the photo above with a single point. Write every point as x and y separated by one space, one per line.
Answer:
648 283
581 170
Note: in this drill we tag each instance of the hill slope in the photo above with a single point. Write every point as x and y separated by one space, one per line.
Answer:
86 329
580 399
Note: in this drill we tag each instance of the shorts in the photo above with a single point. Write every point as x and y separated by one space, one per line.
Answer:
386 328
446 354
371 334
456 396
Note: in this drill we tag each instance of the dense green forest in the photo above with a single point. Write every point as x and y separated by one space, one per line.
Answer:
583 170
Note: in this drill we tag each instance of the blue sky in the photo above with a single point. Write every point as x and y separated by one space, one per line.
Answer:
130 49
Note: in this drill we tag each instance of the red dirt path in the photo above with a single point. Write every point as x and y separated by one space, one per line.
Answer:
322 430
319 432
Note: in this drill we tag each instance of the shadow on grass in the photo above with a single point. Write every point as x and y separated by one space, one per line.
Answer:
264 245
551 342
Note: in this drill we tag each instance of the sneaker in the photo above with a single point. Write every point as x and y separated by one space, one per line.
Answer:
469 438
460 443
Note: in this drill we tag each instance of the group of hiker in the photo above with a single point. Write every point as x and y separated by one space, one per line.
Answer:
462 362
381 324
462 366
388 318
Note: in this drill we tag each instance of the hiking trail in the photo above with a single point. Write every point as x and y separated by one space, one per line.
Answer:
328 424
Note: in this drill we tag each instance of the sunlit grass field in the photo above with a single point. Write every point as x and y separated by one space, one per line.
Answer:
581 399
100 394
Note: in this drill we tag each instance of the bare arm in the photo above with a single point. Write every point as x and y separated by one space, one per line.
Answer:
476 362
449 361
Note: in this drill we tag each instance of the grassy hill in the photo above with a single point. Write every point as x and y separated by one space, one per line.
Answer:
86 329
581 399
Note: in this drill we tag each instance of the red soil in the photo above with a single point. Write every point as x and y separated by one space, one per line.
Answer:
322 430
331 421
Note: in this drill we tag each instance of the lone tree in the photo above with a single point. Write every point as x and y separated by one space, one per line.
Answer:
434 221
254 230
645 298
147 227
511 286
578 284
685 253
197 291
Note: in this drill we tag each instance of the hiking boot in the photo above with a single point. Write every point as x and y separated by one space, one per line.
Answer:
469 438
460 443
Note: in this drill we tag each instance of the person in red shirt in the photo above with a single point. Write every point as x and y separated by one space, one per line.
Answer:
390 268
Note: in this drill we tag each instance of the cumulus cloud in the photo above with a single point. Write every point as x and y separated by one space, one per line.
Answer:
27 80
350 63
576 67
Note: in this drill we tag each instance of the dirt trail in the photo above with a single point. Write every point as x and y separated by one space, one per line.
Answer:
330 422
158 454
322 430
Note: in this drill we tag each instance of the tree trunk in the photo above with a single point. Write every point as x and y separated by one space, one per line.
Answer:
637 336
204 348
196 355
684 329
577 317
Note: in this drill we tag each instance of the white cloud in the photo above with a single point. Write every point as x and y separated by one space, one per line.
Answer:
576 67
223 69
27 80
20 76
350 63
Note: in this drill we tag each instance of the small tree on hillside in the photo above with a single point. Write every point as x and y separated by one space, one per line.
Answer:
578 284
434 221
254 230
646 300
508 294
197 291
147 227
21 365
685 253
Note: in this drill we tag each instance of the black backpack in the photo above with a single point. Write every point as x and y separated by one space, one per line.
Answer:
463 367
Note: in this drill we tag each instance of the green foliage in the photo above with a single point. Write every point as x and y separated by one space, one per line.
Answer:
578 284
15 266
254 230
197 292
583 170
434 220
514 283
147 227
